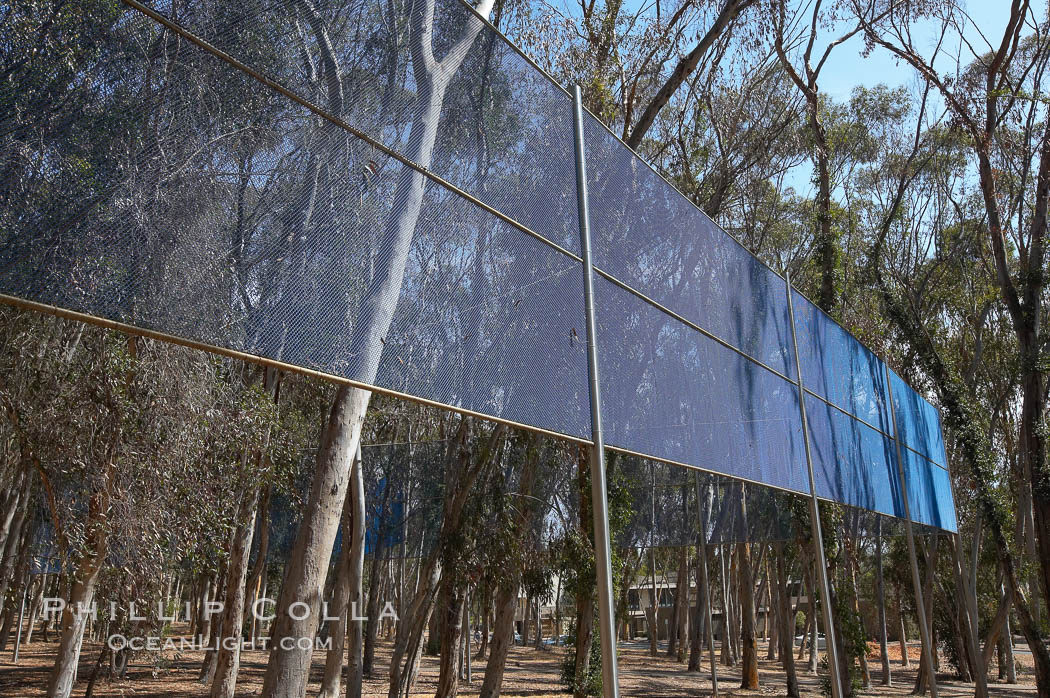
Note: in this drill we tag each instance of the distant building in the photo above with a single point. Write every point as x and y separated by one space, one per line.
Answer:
639 600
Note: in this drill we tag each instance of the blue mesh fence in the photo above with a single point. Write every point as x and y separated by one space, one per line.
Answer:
838 368
918 422
248 225
672 393
157 185
929 492
503 132
650 237
852 463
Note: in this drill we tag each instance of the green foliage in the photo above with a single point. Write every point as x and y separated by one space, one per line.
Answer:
591 684
825 679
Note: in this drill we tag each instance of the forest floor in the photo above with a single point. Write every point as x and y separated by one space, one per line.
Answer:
530 672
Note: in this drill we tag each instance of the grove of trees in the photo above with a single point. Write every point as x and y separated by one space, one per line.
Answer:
148 176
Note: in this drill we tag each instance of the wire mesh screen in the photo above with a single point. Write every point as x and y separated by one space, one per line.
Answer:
461 101
838 368
918 422
929 492
670 392
852 463
669 506
178 196
155 184
649 236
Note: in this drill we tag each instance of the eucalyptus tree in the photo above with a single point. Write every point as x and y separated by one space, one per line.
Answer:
802 28
995 101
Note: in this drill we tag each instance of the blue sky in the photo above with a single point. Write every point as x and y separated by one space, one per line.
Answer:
847 68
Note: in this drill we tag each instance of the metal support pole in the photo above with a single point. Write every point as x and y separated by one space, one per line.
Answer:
920 601
814 517
705 585
599 497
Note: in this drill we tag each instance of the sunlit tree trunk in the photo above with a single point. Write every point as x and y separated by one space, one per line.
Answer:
356 573
82 592
338 608
228 660
288 669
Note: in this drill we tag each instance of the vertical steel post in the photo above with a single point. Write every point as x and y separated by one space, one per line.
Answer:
920 601
814 516
705 585
599 497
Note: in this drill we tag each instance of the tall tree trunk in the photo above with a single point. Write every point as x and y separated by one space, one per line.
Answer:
287 671
484 604
699 619
969 651
354 659
702 615
371 633
725 653
254 589
339 608
1008 652
675 642
814 643
922 678
827 249
502 638
903 637
786 623
851 562
228 661
749 648
653 615
880 600
82 593
34 606
525 627
207 671
772 625
584 640
586 588
451 636
375 582
10 508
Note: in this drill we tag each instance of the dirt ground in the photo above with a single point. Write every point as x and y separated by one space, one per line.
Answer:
530 672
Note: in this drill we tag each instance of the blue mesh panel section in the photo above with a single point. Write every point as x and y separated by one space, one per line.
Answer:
505 132
672 393
210 208
838 367
918 422
929 492
649 236
155 185
852 463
